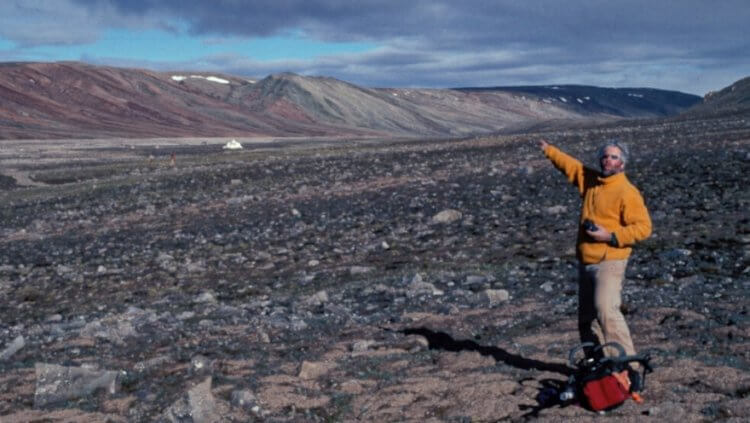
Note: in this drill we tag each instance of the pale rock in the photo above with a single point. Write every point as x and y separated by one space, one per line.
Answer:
420 288
15 345
308 278
55 318
359 270
413 343
205 297
198 406
475 280
162 257
297 324
363 345
447 216
56 383
559 209
200 364
244 399
495 296
317 299
315 369
195 267
153 363
264 337
185 315
63 270
114 329
352 387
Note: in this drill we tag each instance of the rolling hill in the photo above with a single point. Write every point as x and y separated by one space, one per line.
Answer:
734 98
76 100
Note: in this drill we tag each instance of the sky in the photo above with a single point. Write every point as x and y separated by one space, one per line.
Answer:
691 46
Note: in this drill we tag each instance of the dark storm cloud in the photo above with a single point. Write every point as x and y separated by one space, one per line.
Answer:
667 44
449 24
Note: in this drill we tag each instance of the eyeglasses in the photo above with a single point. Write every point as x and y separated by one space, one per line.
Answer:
611 156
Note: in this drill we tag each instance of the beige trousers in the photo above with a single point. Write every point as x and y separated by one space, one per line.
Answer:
599 297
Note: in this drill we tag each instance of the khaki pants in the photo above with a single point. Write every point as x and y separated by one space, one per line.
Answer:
599 297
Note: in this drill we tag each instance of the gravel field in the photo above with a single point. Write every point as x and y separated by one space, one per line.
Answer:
359 280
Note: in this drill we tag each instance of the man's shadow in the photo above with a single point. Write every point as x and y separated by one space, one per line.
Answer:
547 396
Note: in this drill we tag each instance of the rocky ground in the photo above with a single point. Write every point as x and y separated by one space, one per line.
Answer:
392 281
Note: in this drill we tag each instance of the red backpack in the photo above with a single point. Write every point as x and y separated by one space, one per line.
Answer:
607 382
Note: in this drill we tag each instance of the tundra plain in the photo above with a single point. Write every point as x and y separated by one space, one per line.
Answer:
360 280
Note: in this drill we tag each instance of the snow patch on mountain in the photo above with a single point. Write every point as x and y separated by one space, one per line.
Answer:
216 79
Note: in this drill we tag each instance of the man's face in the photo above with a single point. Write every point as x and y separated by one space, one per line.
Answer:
611 161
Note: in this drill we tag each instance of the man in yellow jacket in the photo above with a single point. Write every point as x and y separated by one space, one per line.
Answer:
613 218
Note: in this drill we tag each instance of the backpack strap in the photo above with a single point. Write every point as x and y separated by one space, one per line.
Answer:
597 349
642 359
573 351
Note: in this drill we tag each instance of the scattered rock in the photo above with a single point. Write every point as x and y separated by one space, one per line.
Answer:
201 365
197 406
206 271
554 210
205 297
113 329
476 280
153 363
363 345
15 346
314 370
358 270
494 296
317 299
56 383
244 399
447 216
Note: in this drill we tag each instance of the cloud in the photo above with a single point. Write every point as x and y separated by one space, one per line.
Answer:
437 42
31 23
451 23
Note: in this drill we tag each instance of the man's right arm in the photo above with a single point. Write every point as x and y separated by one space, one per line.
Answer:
570 166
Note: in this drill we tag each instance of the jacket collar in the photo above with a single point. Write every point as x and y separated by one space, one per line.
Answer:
617 177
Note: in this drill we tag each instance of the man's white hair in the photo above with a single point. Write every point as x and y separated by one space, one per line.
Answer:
614 143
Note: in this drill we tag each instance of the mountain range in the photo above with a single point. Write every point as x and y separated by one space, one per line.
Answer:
76 100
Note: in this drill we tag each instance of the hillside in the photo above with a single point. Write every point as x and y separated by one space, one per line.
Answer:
734 98
75 100
624 102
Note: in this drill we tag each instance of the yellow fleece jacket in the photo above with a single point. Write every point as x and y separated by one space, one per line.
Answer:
611 202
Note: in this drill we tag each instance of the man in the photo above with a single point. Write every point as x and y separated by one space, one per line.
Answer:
613 218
